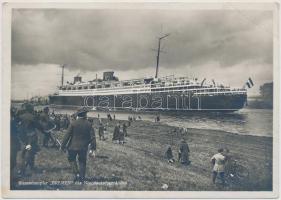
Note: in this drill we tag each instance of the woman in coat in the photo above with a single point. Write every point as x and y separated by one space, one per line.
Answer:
184 153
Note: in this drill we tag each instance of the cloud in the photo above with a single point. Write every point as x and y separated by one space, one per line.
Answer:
30 80
122 39
228 46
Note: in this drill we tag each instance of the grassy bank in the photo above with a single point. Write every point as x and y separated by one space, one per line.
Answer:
139 164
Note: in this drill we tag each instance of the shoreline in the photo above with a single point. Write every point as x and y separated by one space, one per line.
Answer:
231 133
215 131
169 115
148 116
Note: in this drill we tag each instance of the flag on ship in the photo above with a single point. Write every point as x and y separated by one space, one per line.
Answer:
250 83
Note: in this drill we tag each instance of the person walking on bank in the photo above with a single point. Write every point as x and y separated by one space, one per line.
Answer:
125 130
129 120
45 123
79 137
169 155
116 133
57 122
28 132
184 153
121 137
101 131
218 161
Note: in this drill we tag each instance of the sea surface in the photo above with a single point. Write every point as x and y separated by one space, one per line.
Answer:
257 122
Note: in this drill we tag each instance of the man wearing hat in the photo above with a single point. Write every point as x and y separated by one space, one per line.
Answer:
116 134
28 133
79 136
101 131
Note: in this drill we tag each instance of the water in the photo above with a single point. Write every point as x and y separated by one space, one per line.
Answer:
245 121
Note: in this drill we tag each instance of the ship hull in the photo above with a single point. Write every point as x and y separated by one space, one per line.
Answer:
165 102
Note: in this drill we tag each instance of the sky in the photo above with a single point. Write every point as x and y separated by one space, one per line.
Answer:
227 46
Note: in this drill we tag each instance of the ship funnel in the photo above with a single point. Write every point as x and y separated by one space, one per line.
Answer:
108 76
77 79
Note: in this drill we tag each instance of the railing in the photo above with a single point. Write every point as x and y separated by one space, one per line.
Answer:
149 88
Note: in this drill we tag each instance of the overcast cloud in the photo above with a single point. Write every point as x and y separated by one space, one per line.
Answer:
212 43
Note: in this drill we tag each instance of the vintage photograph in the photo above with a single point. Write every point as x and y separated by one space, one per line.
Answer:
143 97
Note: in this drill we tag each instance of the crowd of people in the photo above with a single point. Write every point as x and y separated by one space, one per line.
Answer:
119 134
218 160
29 125
183 153
79 140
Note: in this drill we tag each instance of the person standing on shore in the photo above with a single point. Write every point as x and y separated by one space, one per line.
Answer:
121 137
14 147
218 161
125 130
67 121
101 131
129 120
109 117
45 122
28 132
57 122
184 153
79 137
105 131
157 118
116 133
169 155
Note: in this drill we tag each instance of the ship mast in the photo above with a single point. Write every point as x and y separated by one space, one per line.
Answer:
62 74
158 53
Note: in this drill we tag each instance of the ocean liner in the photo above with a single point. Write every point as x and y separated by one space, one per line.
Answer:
170 93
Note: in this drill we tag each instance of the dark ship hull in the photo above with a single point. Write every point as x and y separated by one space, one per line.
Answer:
154 102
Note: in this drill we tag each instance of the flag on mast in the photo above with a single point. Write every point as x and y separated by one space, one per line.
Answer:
250 83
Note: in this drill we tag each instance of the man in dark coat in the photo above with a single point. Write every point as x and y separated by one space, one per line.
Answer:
116 133
57 122
184 153
79 137
101 131
15 141
67 121
14 146
28 133
125 130
46 124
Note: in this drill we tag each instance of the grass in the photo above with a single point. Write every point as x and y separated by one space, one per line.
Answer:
139 164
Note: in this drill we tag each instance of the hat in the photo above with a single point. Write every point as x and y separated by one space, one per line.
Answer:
82 112
183 140
220 150
46 109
